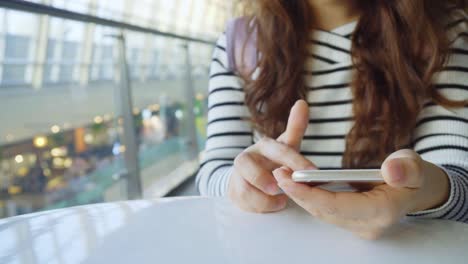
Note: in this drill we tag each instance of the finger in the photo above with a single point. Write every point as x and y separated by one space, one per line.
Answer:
283 154
252 170
302 194
297 124
254 200
265 162
364 186
353 211
403 168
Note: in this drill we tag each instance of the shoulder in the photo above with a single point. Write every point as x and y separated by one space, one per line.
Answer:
224 49
222 77
452 81
457 30
220 46
232 28
220 52
457 27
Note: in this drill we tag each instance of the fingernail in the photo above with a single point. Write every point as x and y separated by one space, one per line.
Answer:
398 174
272 189
278 174
277 177
285 187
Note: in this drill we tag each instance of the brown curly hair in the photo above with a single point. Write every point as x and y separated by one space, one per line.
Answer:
398 46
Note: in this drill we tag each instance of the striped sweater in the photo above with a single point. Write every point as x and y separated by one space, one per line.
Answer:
440 137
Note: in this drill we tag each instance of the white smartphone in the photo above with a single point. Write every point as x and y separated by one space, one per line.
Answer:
348 176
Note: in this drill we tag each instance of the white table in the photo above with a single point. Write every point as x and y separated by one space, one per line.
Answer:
205 230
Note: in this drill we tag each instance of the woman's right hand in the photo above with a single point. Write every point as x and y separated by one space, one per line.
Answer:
252 186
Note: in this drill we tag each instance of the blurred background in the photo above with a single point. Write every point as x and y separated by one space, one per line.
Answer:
102 100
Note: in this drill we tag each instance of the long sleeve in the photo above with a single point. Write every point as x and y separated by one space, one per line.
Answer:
228 130
441 135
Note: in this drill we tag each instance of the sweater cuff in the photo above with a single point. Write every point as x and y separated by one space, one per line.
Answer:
220 181
226 178
443 210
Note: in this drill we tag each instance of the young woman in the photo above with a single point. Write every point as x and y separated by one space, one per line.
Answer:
364 84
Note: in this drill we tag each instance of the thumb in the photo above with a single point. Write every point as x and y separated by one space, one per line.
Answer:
297 124
403 168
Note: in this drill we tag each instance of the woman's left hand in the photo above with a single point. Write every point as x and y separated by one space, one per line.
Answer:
411 185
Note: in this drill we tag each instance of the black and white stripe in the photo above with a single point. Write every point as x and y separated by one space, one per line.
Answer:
440 135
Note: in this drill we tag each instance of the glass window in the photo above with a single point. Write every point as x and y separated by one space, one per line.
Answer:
16 59
64 51
81 6
61 140
135 48
103 54
19 44
111 9
49 75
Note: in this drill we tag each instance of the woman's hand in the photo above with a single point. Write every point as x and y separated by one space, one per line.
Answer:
411 185
252 186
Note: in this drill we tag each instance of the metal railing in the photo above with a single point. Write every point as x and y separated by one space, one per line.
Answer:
41 9
134 188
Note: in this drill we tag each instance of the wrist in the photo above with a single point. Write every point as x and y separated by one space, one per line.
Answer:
436 188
